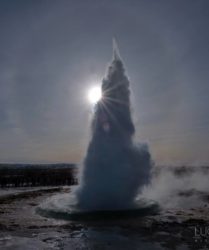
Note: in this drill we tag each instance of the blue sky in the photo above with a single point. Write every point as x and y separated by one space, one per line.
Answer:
53 51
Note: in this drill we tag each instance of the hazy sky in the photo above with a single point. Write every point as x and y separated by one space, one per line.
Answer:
53 51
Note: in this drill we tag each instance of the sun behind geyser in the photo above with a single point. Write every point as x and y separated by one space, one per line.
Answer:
94 94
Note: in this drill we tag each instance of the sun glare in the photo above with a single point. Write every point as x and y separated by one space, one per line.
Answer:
94 94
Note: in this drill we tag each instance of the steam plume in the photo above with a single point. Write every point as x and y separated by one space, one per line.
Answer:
114 169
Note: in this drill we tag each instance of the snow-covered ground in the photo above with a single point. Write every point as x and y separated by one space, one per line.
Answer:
93 239
15 191
184 202
22 228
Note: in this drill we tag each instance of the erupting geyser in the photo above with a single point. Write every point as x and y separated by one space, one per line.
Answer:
115 168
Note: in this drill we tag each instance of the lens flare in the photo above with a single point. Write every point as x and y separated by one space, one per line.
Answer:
94 94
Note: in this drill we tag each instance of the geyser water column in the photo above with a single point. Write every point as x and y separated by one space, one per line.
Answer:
115 168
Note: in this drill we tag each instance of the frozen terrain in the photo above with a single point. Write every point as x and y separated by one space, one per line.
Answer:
184 207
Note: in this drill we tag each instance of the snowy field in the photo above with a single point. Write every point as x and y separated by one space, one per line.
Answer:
184 202
7 192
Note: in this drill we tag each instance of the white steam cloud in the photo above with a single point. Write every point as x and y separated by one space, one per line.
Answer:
115 169
178 187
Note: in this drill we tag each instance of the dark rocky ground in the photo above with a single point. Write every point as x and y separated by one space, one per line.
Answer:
22 228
